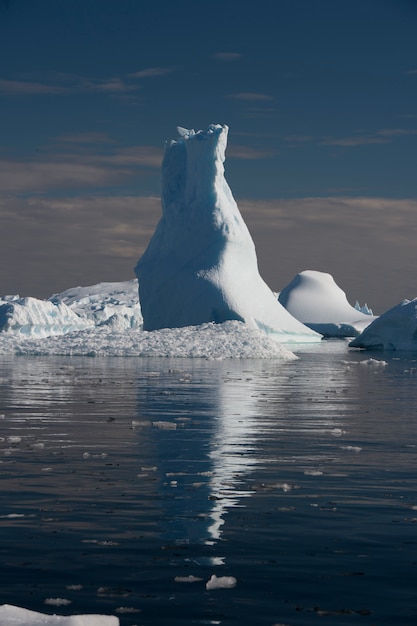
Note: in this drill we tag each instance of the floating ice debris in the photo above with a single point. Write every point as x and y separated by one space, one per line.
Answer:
164 425
231 340
15 616
352 448
374 363
57 601
187 579
221 582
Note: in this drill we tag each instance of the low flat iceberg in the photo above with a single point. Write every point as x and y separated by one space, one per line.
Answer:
38 318
396 329
15 616
200 265
111 304
316 300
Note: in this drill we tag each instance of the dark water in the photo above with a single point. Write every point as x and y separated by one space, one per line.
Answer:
119 476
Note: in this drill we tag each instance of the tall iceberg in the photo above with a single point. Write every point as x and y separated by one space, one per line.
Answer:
200 265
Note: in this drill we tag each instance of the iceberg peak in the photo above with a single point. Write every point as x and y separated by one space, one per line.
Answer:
200 265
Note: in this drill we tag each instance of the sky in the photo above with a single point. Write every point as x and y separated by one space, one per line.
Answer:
320 98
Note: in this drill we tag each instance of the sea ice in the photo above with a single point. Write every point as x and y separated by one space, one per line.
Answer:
221 582
15 616
315 299
200 265
210 341
395 329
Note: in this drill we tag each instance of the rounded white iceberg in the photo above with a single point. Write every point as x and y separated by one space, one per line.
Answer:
316 300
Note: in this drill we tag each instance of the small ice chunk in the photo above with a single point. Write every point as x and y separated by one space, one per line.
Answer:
187 579
57 601
13 439
221 582
164 425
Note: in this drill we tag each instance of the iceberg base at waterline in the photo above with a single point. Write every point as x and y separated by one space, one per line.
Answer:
315 299
15 616
395 329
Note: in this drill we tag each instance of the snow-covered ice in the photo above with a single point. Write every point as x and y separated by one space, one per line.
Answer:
107 304
200 265
112 304
210 341
38 318
395 329
15 616
315 299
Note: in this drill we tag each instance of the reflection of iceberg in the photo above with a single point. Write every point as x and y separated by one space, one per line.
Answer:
232 447
200 265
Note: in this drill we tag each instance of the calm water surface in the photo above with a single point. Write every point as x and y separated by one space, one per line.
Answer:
126 484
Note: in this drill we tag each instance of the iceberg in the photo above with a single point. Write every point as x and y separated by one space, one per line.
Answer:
396 329
109 304
38 318
15 616
315 299
200 265
115 305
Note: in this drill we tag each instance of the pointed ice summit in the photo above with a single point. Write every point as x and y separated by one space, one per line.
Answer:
200 265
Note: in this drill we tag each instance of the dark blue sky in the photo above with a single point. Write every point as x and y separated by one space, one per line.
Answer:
320 98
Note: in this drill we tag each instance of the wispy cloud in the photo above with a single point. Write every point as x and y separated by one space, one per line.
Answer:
76 168
16 87
60 83
384 135
80 240
227 56
396 132
298 139
247 153
351 142
151 72
85 138
410 72
250 96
